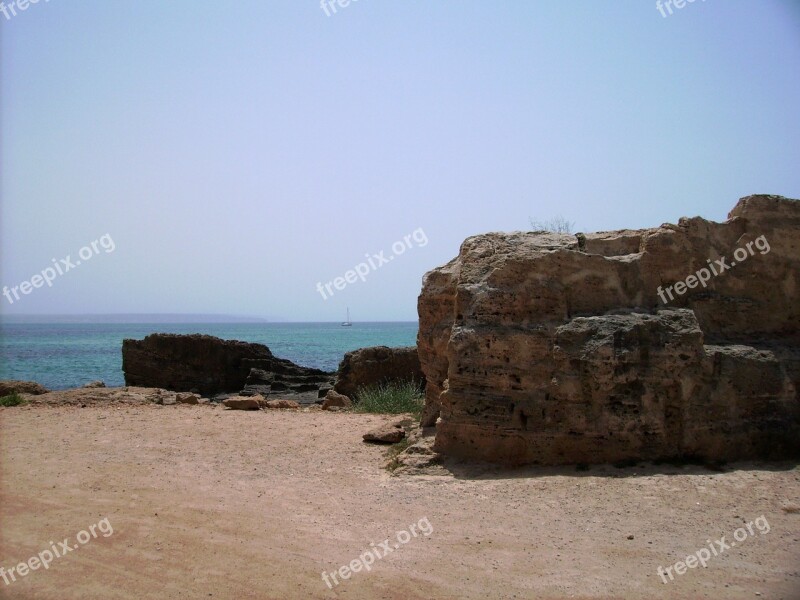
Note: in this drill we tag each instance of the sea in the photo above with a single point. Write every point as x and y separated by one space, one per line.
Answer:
68 355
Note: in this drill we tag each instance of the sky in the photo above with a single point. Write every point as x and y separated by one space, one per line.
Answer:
226 158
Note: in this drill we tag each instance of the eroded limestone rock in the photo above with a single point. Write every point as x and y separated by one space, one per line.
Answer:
552 348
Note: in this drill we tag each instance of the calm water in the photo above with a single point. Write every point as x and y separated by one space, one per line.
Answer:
67 355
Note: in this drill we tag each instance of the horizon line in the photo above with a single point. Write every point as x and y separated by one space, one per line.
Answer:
216 317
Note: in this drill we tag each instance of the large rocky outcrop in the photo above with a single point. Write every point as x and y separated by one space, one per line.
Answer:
375 365
211 366
551 348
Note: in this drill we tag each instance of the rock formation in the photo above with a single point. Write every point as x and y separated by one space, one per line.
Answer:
379 364
676 341
280 376
110 395
211 366
12 386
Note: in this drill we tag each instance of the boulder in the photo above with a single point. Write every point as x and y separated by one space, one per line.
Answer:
385 434
211 366
244 402
555 349
334 399
12 386
375 365
183 362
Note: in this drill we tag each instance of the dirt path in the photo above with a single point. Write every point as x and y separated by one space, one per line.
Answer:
211 503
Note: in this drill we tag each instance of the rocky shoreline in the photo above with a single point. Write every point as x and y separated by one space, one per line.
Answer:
551 349
169 369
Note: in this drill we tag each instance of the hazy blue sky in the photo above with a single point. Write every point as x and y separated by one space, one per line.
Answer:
237 153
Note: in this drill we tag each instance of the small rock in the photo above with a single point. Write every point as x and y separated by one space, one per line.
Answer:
282 403
167 400
790 507
335 399
630 537
95 384
187 398
386 434
243 402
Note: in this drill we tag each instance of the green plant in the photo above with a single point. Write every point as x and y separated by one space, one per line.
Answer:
12 400
555 225
394 398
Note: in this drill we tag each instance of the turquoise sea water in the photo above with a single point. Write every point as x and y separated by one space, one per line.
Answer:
66 355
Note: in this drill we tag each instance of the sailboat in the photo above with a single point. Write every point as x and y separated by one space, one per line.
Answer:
347 323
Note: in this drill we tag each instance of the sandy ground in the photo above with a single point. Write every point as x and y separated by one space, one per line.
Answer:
211 503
